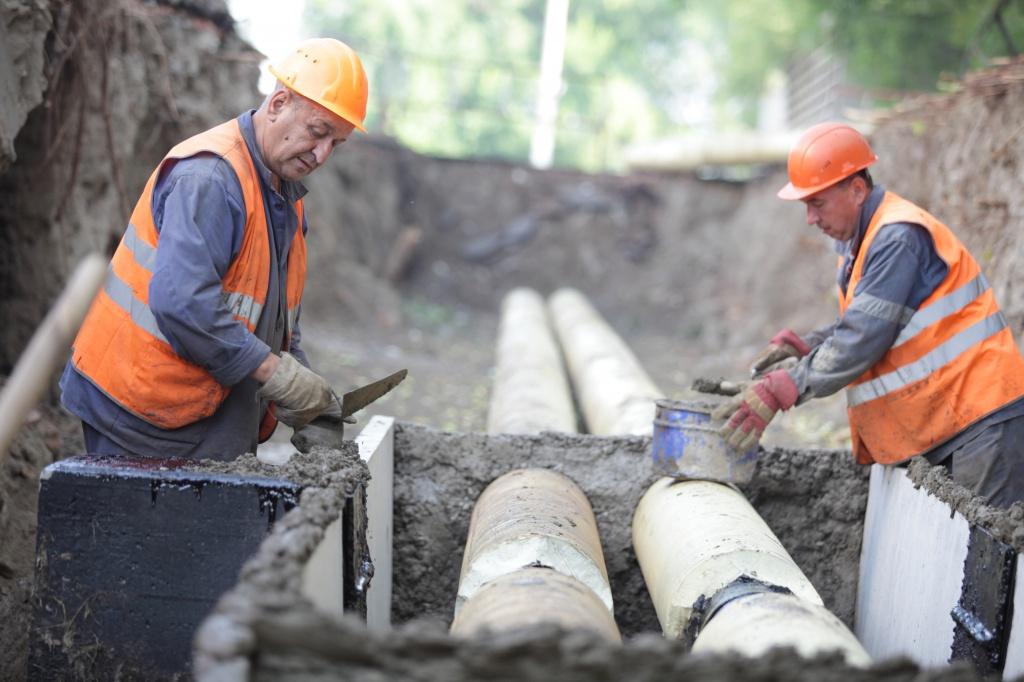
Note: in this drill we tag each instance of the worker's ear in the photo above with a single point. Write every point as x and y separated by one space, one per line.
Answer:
860 190
278 102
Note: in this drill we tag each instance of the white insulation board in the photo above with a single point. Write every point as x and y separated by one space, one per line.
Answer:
1015 651
911 571
377 448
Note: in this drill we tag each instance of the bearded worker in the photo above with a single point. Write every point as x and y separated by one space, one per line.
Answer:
192 348
929 364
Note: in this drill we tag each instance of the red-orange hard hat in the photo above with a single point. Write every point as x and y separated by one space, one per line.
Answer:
330 73
824 155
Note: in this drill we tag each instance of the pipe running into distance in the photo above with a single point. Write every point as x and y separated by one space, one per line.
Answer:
531 391
715 571
533 518
616 395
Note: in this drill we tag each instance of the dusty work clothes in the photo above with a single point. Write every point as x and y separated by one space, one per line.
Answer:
899 269
211 326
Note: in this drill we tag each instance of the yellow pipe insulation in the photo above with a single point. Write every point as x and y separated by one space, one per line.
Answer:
531 392
694 538
616 395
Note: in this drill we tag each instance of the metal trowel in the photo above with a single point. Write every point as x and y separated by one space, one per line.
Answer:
329 427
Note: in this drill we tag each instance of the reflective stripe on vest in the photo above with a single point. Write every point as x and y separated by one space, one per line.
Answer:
953 363
120 347
932 362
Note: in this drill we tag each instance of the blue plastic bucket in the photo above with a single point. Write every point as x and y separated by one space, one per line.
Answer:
686 444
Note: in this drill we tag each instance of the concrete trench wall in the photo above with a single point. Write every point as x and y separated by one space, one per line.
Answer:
265 629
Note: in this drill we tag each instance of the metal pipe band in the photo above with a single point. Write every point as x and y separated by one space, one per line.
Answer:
692 538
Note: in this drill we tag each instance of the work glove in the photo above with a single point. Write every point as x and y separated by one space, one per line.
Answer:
750 412
299 393
785 344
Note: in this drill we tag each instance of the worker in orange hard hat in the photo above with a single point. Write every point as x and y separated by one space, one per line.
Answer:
929 365
193 349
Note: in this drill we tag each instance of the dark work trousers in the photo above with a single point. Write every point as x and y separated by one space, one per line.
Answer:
992 463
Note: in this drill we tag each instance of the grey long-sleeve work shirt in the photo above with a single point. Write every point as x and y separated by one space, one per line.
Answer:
199 211
901 269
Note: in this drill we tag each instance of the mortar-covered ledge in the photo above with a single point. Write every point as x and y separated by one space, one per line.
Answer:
272 583
1006 525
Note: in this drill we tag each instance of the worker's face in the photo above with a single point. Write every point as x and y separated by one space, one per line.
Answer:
835 210
300 136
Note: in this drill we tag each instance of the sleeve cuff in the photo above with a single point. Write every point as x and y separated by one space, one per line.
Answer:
244 363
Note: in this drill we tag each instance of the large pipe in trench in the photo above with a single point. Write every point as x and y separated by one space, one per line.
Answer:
541 519
531 392
615 393
713 567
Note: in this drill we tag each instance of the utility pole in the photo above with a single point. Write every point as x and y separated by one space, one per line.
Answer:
542 146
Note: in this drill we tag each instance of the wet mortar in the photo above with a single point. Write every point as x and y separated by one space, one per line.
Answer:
814 500
265 629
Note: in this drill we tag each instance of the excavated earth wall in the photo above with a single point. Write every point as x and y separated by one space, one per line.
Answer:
108 88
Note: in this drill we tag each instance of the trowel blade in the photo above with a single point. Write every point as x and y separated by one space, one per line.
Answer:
358 398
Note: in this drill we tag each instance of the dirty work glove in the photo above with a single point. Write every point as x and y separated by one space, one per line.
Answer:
750 412
299 393
785 344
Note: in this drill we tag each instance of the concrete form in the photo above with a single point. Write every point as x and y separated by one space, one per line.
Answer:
531 391
707 556
615 394
132 555
532 517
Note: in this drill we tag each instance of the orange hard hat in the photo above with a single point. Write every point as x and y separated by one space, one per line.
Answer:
824 155
328 72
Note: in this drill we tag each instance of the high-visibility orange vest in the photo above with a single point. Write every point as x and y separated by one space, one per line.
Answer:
121 349
953 363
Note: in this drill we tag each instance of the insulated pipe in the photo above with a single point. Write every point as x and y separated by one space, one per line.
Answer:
754 624
616 395
534 596
533 517
694 538
531 391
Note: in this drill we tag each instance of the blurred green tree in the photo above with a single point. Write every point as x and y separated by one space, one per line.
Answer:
459 78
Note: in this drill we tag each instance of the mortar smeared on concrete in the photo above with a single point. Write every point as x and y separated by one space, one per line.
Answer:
320 467
1006 525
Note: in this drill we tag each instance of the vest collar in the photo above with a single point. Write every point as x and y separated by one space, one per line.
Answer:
291 191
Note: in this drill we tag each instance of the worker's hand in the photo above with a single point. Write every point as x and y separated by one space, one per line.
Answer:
785 344
299 393
750 412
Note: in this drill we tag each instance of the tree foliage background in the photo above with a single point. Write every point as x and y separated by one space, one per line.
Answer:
459 78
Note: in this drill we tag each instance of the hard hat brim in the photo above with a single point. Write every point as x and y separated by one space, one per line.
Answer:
329 106
793 193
